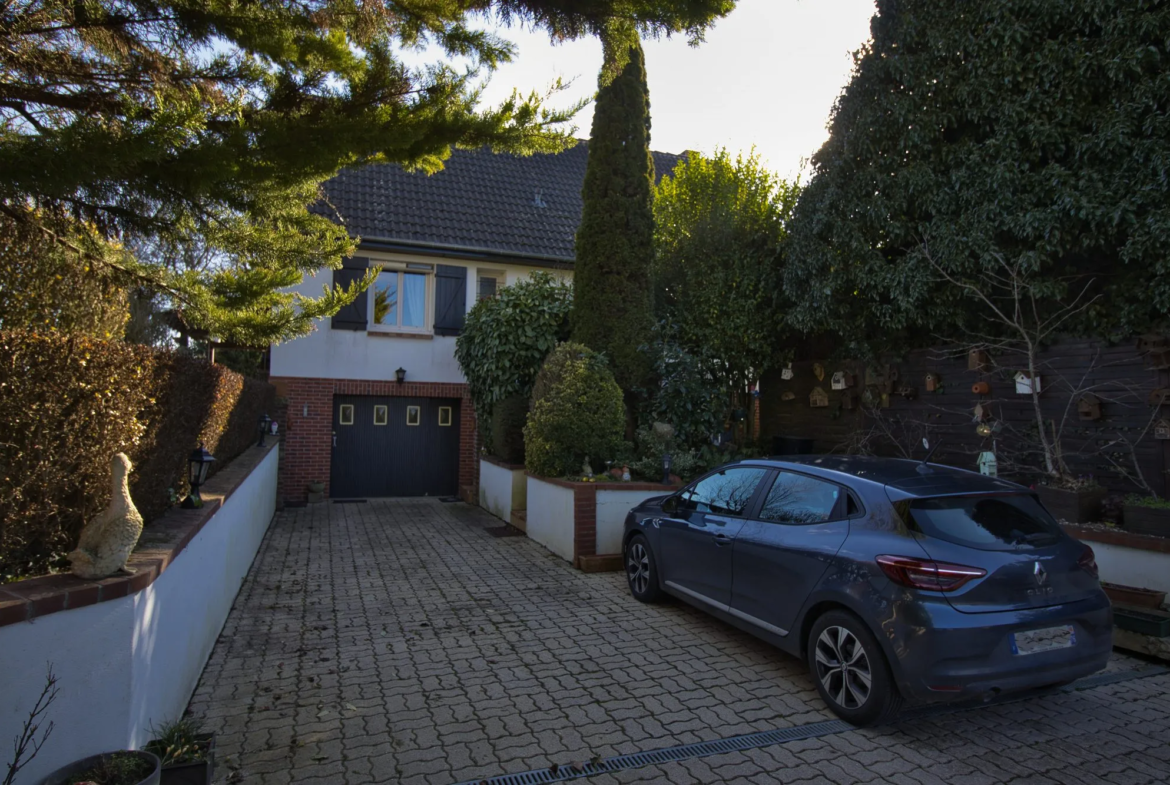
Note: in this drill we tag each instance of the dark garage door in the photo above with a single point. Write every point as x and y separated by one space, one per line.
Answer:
394 447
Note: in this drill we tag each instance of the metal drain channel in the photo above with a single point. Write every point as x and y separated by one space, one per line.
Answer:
767 738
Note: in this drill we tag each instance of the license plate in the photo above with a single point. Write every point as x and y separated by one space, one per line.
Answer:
1047 639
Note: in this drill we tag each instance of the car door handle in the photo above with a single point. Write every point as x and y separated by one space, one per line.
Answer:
722 539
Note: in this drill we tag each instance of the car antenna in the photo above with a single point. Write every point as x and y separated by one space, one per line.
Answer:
924 468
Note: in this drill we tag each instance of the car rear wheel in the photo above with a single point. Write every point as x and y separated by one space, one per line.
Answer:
642 570
850 670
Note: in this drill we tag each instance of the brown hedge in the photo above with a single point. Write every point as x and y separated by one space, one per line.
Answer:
68 403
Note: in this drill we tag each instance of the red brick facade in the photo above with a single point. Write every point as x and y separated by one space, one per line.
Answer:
308 426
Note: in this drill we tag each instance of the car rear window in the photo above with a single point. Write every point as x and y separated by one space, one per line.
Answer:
990 523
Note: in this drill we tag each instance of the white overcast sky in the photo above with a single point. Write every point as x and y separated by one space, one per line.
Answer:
766 76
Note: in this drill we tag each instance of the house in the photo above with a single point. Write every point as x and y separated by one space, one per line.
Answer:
376 403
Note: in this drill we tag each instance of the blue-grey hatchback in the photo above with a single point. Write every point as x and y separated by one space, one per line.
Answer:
897 581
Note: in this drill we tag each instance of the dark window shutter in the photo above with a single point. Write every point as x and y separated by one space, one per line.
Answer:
354 315
450 299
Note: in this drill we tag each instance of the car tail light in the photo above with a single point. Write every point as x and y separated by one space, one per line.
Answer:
1088 562
927 574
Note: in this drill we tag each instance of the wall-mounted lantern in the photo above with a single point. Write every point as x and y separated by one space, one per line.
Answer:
400 375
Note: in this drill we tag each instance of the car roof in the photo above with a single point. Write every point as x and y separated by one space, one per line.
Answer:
904 478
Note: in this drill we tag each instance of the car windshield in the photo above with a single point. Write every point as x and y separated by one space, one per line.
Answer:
989 523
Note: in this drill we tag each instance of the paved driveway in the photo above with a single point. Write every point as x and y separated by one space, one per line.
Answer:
398 641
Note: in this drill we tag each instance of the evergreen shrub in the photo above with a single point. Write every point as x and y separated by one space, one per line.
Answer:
69 403
507 429
577 413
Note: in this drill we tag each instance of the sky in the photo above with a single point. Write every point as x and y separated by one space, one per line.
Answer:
767 76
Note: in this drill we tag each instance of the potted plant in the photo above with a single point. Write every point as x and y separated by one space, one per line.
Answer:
186 752
126 767
317 486
1147 515
1073 500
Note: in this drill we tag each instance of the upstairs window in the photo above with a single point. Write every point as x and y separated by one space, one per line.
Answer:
488 283
399 301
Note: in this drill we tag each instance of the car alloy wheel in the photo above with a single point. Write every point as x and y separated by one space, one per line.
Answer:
638 568
843 667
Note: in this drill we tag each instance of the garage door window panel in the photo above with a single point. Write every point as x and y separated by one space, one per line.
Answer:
413 415
445 416
345 415
381 415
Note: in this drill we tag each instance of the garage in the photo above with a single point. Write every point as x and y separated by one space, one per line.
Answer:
394 446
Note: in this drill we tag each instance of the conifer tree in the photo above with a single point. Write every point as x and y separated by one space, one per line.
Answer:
611 277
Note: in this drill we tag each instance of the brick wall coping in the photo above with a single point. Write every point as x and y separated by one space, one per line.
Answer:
494 461
161 542
1113 536
608 486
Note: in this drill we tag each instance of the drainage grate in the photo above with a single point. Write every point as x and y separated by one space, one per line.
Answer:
767 738
504 531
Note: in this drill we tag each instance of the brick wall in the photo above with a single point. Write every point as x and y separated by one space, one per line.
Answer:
307 425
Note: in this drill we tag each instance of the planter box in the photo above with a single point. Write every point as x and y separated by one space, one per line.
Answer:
503 489
1131 595
1143 621
1080 506
579 520
192 773
1146 520
67 775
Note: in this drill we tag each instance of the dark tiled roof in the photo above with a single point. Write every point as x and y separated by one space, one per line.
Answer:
507 204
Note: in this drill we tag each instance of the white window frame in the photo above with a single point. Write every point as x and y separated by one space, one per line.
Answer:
499 276
428 324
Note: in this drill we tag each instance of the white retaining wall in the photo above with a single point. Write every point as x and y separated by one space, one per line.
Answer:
1132 567
550 516
612 508
502 490
126 664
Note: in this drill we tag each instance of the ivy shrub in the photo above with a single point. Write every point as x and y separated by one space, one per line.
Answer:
69 403
505 339
507 429
577 413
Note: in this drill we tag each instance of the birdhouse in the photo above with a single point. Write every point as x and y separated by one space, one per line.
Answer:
786 372
1159 396
1089 407
1162 429
988 464
909 393
788 395
1157 351
981 388
933 382
819 372
978 360
818 398
1025 384
980 413
841 380
849 399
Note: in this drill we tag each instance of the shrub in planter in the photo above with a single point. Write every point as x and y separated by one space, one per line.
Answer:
1073 503
186 752
1147 515
507 432
577 413
110 768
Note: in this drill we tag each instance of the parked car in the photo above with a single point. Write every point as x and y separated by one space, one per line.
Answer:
896 581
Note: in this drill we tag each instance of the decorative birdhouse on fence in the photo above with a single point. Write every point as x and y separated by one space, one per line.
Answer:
988 464
818 398
907 392
841 380
819 372
788 395
933 382
849 399
1157 351
980 413
1089 407
978 360
1162 429
786 372
1159 396
981 388
1025 384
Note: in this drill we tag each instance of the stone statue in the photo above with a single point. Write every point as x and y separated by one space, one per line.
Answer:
107 540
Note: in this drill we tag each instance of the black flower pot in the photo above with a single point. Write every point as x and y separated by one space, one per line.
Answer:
1073 506
67 775
197 773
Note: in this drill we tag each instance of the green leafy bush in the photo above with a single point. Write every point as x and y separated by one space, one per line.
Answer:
1153 502
653 443
69 403
577 413
507 429
688 397
506 338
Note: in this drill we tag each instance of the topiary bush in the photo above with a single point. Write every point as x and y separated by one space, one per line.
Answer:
507 429
69 403
577 412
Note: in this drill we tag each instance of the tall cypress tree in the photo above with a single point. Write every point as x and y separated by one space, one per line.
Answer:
612 301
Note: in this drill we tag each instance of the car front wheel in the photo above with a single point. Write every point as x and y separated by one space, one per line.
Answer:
642 570
850 670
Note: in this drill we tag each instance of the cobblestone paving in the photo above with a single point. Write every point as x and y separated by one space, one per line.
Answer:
397 641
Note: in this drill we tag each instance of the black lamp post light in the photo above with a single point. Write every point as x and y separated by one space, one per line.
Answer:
666 469
198 462
264 421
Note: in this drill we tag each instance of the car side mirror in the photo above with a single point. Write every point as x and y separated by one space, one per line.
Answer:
670 505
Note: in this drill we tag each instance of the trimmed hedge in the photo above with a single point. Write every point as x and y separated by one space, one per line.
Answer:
577 412
68 403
